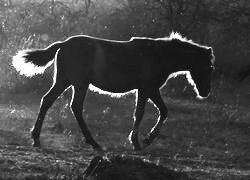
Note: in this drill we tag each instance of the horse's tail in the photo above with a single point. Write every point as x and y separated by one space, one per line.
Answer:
34 61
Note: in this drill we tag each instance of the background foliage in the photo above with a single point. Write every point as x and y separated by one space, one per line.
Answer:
222 24
209 138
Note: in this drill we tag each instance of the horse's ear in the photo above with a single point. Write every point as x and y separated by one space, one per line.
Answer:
210 53
210 50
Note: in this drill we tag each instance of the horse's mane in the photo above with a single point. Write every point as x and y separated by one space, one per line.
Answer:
183 41
176 36
180 42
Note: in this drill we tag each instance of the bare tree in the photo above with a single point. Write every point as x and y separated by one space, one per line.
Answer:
3 37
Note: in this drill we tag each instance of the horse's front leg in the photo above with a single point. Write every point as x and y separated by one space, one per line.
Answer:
138 114
157 100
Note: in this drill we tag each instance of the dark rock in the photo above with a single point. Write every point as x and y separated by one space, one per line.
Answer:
129 168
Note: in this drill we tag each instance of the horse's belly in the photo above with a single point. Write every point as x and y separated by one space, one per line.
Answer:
113 73
115 83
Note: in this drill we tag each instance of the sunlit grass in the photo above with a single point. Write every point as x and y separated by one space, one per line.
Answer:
209 134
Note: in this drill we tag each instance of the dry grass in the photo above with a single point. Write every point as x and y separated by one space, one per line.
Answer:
208 139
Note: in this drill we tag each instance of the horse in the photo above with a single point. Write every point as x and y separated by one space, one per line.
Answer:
141 64
244 73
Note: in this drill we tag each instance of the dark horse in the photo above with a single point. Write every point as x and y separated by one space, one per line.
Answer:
143 64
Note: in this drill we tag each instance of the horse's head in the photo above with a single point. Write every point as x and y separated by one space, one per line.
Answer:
201 71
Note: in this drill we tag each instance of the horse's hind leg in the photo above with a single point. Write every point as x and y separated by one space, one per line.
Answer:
58 87
138 115
77 106
157 100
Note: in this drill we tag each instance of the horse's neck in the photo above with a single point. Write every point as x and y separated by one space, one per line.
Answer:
181 64
174 58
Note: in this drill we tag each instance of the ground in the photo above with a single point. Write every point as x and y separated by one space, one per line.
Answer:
206 139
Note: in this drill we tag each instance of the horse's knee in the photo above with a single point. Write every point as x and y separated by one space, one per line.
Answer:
47 101
73 107
76 108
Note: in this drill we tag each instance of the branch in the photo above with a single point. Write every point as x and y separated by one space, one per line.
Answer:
188 27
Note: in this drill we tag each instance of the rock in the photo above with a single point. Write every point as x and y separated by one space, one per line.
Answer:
129 168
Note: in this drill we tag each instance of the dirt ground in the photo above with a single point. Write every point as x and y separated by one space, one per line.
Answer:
25 162
205 139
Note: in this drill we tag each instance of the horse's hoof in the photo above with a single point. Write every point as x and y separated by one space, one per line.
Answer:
100 152
36 143
137 147
145 143
98 148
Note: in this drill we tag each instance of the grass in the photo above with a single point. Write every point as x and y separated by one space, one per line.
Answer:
209 139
